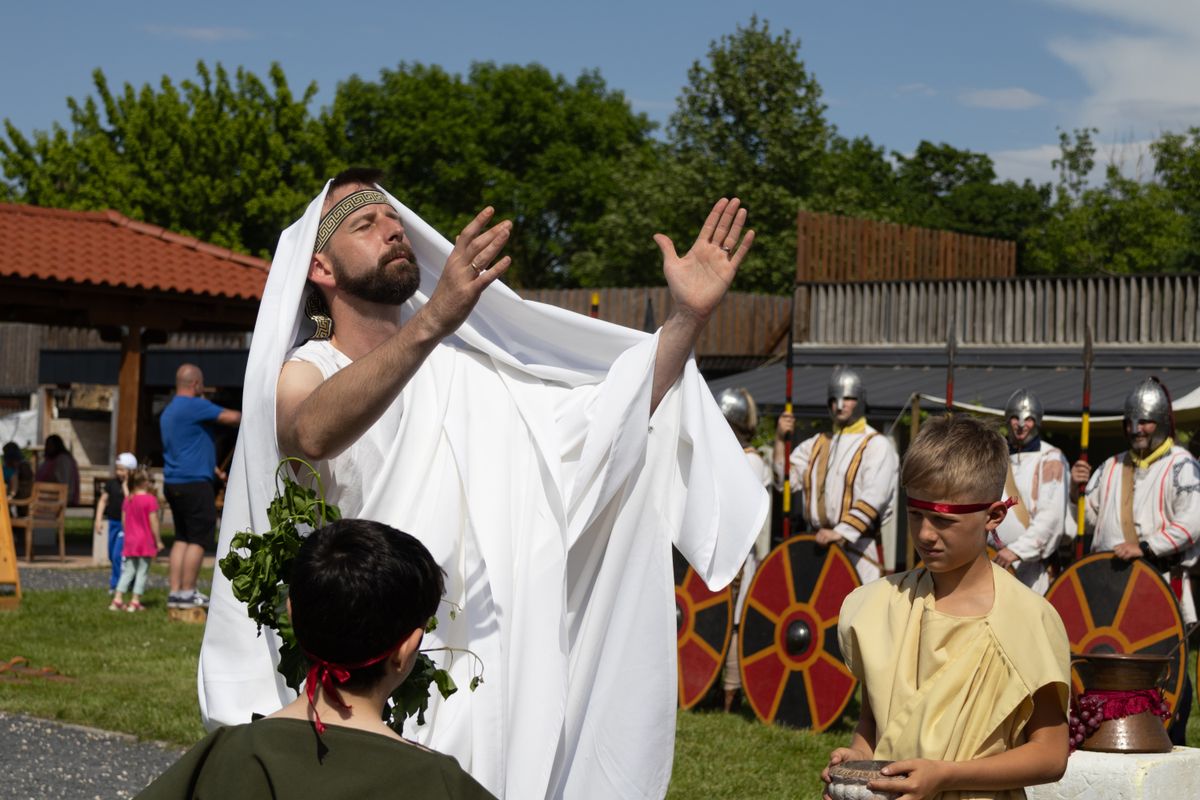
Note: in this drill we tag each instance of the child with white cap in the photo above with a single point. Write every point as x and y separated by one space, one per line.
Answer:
108 513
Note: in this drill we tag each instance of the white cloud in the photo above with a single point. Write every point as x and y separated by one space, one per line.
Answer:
1132 157
923 89
1030 162
1142 79
1010 99
198 34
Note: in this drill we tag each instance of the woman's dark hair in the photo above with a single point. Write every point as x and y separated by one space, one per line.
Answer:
55 446
12 453
358 588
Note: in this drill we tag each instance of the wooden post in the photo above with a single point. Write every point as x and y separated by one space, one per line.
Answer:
9 575
130 384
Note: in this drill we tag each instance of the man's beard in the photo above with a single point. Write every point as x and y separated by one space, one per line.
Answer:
383 284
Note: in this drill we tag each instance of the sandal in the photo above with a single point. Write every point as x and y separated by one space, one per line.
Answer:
135 606
116 605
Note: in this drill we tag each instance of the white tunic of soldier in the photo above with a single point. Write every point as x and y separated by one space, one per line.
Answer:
741 412
1037 477
1160 518
848 477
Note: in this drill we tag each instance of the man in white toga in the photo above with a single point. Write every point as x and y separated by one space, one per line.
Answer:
547 460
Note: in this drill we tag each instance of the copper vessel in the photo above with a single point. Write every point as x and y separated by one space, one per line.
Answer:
1123 672
848 781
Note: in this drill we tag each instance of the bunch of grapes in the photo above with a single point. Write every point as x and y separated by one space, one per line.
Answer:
1083 722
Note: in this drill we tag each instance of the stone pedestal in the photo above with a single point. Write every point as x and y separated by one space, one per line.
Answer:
1126 776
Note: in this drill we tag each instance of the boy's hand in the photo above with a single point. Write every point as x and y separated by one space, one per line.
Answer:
840 756
922 778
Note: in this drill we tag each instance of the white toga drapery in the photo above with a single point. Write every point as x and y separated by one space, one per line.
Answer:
523 454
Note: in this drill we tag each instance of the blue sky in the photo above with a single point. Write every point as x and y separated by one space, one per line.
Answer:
996 77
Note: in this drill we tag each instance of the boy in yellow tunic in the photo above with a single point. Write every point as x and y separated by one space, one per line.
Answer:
965 671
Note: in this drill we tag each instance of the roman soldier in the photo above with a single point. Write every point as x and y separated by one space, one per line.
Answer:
741 412
847 476
1037 478
1145 503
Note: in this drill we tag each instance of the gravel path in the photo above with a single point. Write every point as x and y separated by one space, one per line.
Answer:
40 759
34 579
43 760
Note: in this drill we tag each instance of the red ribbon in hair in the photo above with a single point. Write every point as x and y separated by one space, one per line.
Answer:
956 508
329 675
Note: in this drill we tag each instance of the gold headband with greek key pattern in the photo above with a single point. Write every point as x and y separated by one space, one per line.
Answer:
344 208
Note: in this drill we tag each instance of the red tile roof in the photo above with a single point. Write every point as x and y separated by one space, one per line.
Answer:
105 248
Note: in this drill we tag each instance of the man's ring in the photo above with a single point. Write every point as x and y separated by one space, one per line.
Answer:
478 271
726 249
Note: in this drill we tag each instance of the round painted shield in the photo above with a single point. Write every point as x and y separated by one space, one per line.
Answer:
788 654
703 624
1113 606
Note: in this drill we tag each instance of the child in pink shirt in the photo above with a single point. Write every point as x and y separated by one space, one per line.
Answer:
139 517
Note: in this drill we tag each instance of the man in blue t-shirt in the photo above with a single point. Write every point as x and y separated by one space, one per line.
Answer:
190 465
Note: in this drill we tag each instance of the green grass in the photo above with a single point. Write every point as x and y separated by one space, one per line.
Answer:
136 673
720 755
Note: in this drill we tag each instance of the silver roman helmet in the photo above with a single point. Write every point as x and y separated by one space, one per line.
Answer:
1149 400
1024 405
739 409
847 383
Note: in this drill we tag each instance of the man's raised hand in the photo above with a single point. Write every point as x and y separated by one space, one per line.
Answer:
700 278
471 268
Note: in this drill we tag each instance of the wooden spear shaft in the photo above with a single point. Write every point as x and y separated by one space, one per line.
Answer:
787 409
1085 430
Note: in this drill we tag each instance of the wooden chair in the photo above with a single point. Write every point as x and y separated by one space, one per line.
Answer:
47 509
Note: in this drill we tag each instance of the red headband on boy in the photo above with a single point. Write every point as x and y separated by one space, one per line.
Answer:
329 674
956 508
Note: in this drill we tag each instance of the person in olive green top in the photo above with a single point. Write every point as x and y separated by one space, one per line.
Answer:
360 595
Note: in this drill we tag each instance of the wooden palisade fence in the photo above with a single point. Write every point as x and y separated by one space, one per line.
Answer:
1158 310
835 249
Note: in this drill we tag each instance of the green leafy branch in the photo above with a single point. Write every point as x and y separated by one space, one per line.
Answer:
259 568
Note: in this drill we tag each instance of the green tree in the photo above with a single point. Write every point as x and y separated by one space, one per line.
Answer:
1177 168
750 122
1124 226
857 180
227 161
1075 163
544 151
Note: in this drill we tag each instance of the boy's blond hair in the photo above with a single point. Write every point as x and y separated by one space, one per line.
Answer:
955 458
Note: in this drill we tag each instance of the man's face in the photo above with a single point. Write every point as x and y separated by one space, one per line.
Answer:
1140 434
371 257
842 415
1021 430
